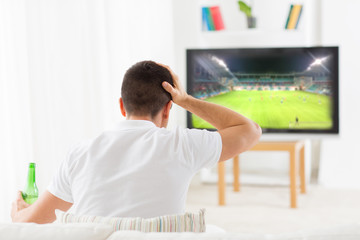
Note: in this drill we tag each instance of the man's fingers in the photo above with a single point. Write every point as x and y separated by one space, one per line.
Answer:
168 87
19 195
20 201
174 76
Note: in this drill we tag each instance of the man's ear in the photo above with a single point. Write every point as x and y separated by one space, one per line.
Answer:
167 108
122 108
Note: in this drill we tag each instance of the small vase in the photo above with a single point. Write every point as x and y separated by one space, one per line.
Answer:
251 21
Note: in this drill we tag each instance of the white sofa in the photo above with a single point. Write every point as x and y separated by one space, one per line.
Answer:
86 231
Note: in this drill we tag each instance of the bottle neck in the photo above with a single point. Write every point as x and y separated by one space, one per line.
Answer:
31 174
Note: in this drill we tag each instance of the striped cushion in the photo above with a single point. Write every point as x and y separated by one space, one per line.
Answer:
187 222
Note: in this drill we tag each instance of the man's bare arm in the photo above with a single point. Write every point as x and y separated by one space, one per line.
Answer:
42 211
238 133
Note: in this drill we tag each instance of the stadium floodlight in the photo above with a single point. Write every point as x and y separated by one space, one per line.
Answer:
318 61
220 62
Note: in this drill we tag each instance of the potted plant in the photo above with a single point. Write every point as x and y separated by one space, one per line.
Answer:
251 20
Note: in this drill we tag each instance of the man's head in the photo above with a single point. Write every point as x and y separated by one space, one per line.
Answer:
142 93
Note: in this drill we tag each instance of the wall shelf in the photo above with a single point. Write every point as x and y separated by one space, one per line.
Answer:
253 38
270 30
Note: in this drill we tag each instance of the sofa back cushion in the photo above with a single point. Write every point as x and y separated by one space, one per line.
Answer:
187 222
33 231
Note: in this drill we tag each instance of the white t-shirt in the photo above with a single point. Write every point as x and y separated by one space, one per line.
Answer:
135 170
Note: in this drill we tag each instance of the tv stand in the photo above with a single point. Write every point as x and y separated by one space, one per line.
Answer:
296 153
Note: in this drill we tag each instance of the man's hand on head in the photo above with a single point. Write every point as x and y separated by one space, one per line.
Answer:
178 93
238 133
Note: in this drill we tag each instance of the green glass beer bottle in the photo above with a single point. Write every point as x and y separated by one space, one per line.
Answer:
30 193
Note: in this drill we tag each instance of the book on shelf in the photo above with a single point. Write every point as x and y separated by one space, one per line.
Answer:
212 19
293 19
217 18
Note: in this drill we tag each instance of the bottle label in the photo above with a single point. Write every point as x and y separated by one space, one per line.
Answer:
30 199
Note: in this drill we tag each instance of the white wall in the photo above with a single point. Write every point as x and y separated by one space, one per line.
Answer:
65 60
77 58
185 36
340 158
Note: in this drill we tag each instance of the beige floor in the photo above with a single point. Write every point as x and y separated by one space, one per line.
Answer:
266 209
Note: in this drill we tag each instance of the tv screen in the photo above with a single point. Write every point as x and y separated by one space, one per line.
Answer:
292 90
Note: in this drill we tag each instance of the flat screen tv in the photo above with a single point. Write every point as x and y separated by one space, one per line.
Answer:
284 90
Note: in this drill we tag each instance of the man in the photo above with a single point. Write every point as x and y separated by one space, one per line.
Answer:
296 121
140 169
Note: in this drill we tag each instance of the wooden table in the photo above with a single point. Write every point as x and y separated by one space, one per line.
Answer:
296 151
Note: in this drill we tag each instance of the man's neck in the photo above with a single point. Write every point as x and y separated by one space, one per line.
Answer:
146 118
139 118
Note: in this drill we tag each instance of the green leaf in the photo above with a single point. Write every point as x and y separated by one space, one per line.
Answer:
245 8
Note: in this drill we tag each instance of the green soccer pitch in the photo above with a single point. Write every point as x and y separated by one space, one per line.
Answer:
276 109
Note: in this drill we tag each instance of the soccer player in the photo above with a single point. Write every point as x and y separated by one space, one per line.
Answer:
296 121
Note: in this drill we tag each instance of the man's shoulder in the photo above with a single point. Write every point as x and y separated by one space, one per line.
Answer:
176 133
80 146
192 133
199 131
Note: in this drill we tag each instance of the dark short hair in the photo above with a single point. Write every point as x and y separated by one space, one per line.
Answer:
141 90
